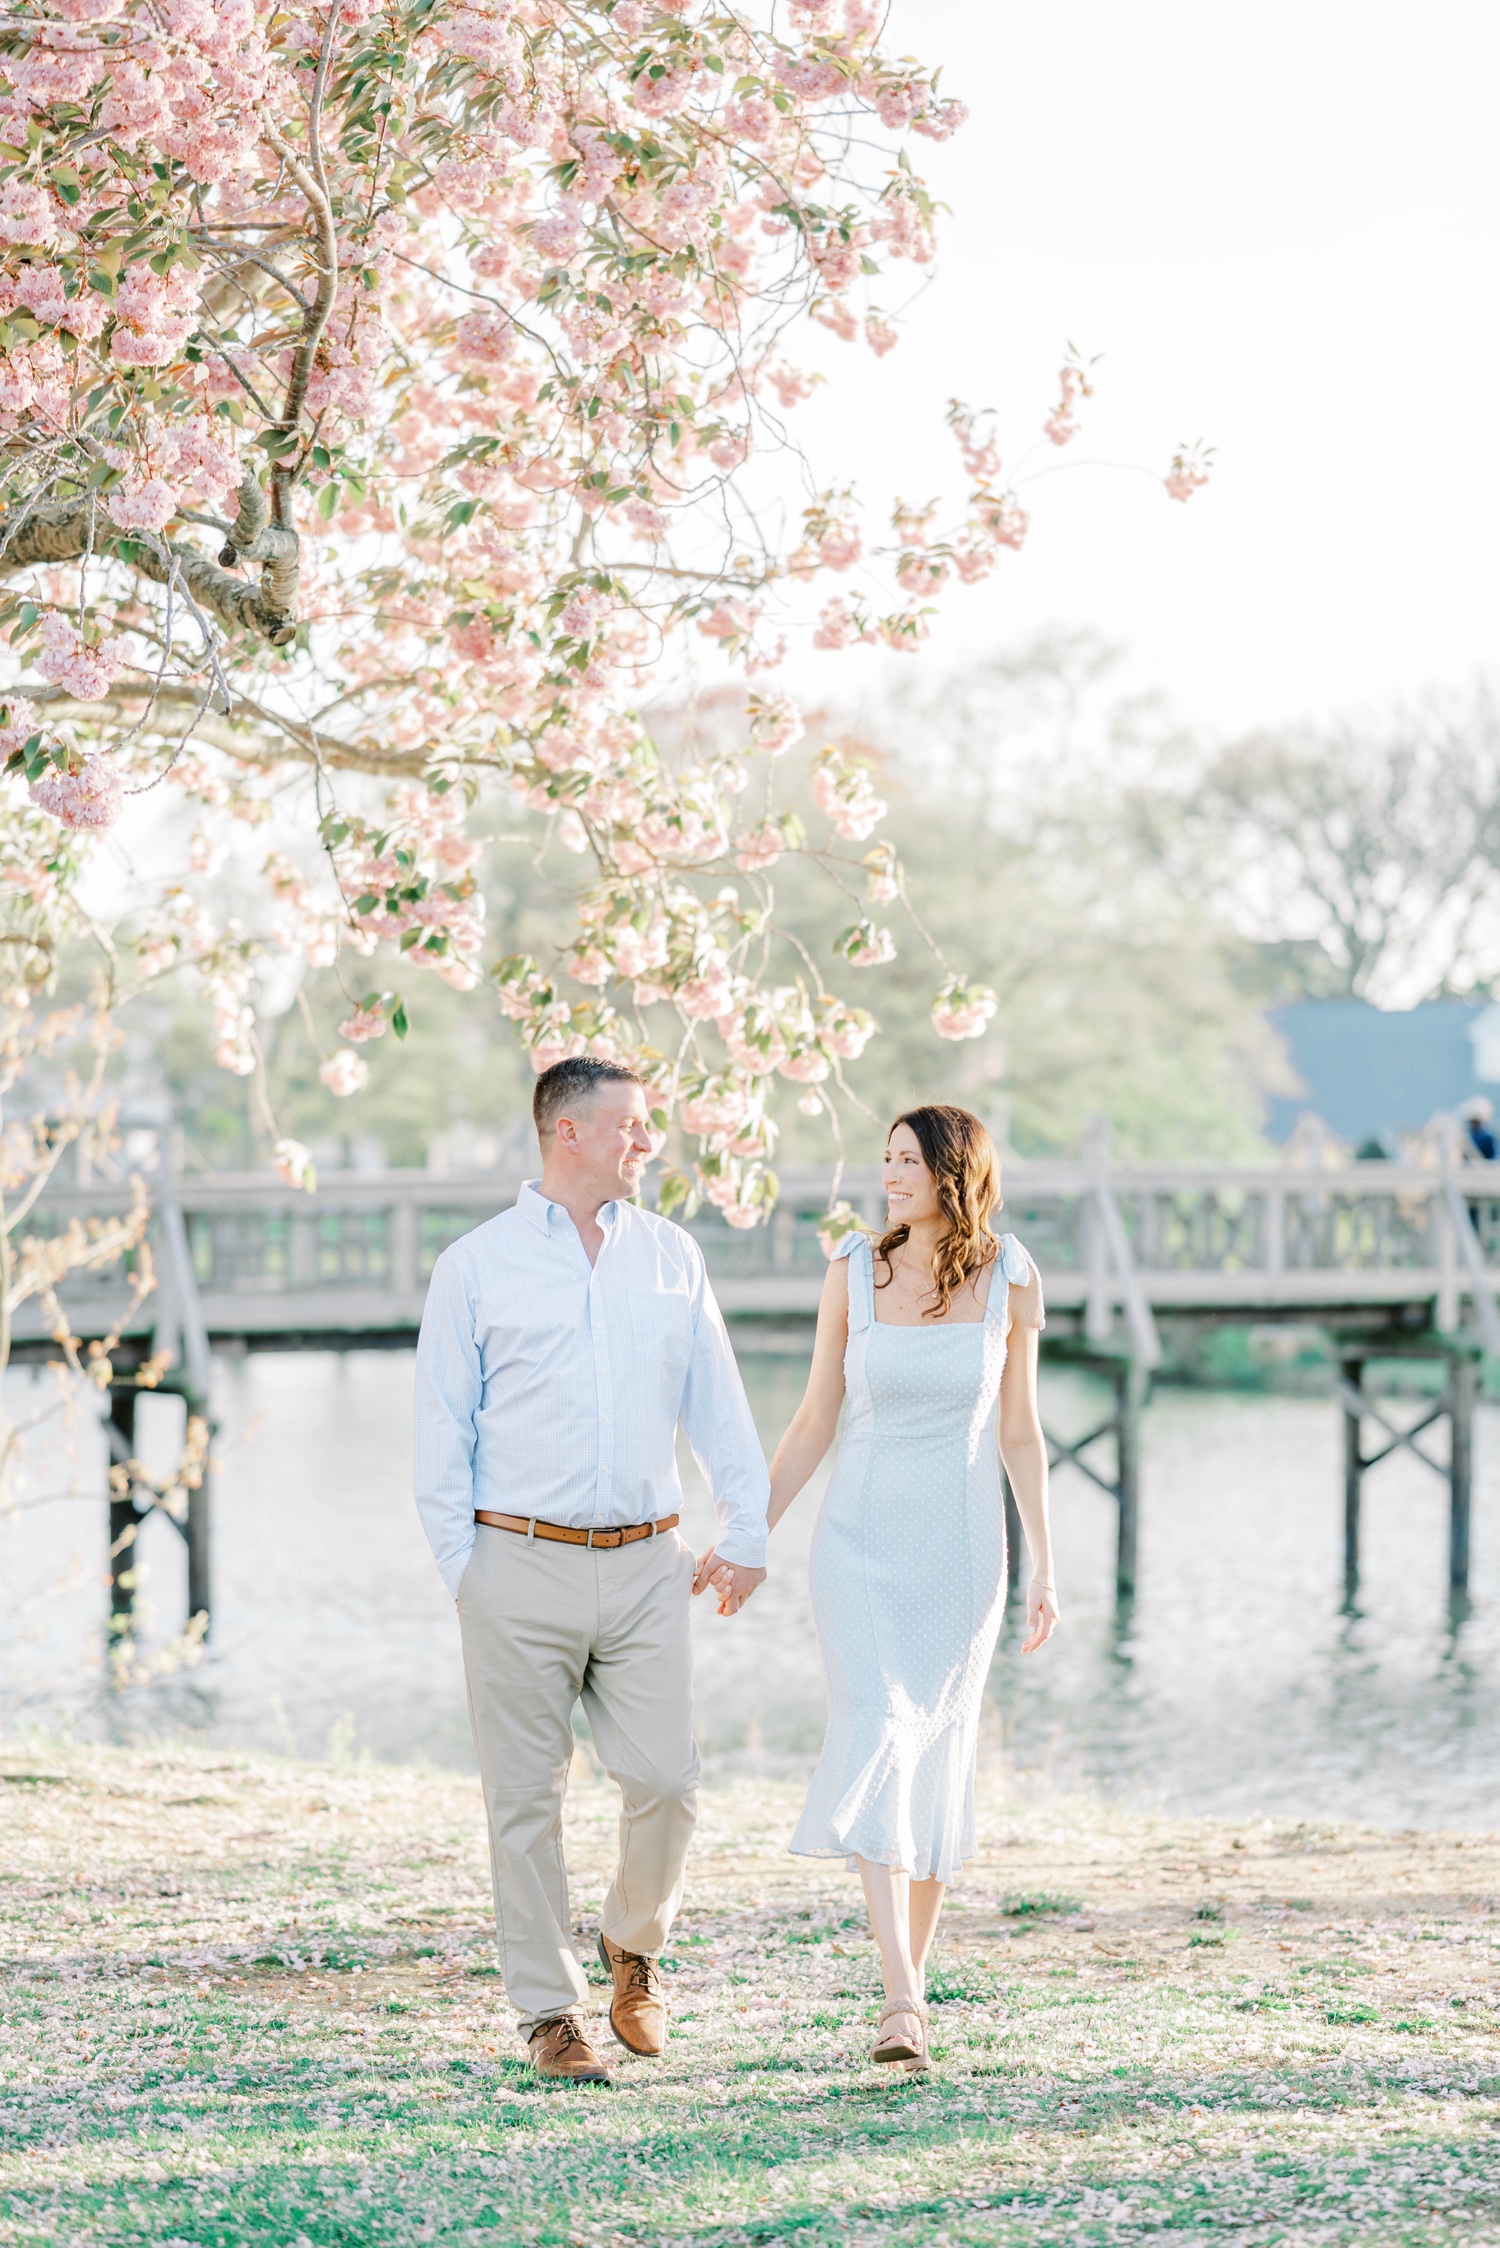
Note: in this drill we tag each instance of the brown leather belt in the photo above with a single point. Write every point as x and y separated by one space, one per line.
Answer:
594 1539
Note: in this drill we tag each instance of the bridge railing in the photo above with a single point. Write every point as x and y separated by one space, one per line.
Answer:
1112 1241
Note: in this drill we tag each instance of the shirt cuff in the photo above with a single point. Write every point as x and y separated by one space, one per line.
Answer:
744 1548
451 1568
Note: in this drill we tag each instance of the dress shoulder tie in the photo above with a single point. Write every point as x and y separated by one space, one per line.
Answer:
859 1249
1016 1267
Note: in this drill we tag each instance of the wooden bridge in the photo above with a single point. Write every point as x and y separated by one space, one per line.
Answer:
1388 1262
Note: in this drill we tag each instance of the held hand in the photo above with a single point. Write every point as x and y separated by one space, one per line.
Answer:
1042 1618
732 1583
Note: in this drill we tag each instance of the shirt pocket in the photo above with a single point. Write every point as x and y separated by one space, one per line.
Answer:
661 1334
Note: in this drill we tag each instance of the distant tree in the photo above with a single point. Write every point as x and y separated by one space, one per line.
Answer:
1366 853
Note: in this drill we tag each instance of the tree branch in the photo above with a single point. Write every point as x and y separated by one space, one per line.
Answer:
59 531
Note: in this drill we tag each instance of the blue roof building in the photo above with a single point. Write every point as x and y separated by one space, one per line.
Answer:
1373 1073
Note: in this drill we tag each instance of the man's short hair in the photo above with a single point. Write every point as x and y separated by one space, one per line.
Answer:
568 1082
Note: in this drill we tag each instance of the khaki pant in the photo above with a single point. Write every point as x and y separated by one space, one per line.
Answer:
546 1626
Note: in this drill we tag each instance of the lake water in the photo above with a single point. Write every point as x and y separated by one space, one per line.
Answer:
1236 1682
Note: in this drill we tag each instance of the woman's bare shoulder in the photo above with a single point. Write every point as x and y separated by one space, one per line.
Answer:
1025 1304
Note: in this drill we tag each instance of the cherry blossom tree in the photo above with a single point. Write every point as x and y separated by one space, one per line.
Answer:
387 394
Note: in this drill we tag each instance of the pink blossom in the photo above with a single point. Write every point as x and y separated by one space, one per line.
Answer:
741 1216
21 724
805 1067
88 795
880 334
143 507
1188 472
940 119
449 968
897 102
1004 520
646 521
845 793
882 885
293 1163
790 384
847 1032
485 339
837 626
345 1073
866 945
364 1023
704 997
154 315
638 954
28 214
70 662
720 1106
840 547
963 1010
775 724
760 849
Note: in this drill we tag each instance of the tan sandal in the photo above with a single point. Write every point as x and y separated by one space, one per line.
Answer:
895 2047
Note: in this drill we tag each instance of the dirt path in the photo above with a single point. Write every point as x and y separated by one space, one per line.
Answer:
255 2001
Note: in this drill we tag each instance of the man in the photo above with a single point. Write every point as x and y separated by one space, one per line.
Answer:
562 1345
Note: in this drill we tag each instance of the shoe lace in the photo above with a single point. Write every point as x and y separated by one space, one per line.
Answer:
644 1972
564 2032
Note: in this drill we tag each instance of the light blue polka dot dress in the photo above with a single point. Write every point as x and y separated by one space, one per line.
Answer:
908 1581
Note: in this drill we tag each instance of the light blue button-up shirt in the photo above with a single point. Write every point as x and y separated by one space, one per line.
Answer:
551 1387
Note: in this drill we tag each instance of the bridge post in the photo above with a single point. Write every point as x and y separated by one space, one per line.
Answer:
196 1533
1354 1466
1130 1383
124 1522
1461 1387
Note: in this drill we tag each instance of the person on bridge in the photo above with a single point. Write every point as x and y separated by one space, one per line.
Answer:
930 1334
562 1345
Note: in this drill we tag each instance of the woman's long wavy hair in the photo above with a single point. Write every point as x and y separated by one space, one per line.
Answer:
960 1154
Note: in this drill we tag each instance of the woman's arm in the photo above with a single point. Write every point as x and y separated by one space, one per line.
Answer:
1023 1450
812 1426
815 1423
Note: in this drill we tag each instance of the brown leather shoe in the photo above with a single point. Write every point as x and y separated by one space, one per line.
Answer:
638 2011
559 2049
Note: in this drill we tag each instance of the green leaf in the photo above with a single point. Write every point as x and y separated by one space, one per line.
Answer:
399 1023
673 1190
328 500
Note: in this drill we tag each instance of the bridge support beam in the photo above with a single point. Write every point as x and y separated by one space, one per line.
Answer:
131 1501
1352 1393
197 1534
1456 1406
1462 1383
1130 1380
1130 1395
124 1522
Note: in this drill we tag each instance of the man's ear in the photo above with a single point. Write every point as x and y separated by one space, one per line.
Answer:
567 1131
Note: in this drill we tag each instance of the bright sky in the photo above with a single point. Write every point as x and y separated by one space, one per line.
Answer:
1279 224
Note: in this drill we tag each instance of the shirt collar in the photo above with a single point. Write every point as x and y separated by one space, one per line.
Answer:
540 1211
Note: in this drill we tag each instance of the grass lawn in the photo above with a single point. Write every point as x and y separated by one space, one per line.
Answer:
248 2000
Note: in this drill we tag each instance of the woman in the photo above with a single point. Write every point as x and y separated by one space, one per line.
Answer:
931 1334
